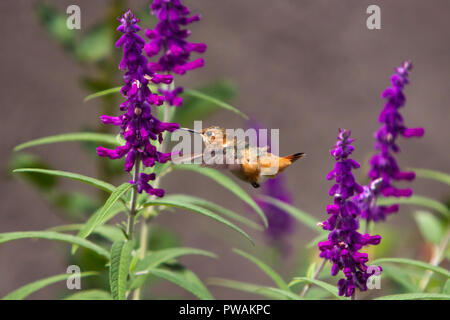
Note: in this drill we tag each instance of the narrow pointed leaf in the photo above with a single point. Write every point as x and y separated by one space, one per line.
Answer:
401 277
68 137
73 176
119 268
415 296
418 201
216 208
432 174
108 232
93 294
430 227
104 213
219 103
266 269
184 279
50 235
26 290
102 93
287 293
247 287
298 214
227 183
326 286
415 263
196 209
155 258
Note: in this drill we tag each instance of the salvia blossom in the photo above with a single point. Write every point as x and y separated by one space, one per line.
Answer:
138 125
280 222
169 39
344 241
384 167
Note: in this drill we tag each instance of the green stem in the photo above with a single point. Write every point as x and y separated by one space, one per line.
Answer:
435 261
132 214
145 223
316 274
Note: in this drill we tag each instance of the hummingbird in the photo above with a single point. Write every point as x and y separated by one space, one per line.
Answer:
248 163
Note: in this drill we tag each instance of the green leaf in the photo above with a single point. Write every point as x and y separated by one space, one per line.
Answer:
415 296
42 182
185 279
55 24
326 286
73 176
432 174
93 294
155 258
166 201
108 232
419 201
287 293
399 276
216 208
415 263
429 226
266 269
104 213
102 93
219 103
78 136
95 44
446 289
120 267
26 290
300 215
226 182
50 235
248 287
199 109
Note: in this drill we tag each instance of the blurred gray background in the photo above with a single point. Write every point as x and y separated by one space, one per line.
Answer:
307 67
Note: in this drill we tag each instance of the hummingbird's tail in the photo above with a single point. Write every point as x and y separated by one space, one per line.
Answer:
294 157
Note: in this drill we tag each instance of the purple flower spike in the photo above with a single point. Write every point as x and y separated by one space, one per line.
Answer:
169 39
384 167
138 125
280 222
344 241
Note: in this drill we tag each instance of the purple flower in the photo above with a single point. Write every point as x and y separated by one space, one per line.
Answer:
169 39
344 241
138 125
384 167
280 222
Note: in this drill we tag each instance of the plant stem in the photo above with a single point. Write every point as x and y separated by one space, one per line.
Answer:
316 274
132 214
435 261
353 297
145 223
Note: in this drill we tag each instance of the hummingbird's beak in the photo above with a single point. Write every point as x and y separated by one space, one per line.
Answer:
190 130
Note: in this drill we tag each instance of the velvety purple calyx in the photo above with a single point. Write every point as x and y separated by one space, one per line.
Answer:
344 241
383 165
137 124
169 40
